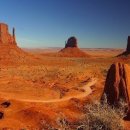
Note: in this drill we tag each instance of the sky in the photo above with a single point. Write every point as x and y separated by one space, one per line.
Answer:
49 23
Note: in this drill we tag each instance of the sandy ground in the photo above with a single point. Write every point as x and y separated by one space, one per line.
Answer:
44 89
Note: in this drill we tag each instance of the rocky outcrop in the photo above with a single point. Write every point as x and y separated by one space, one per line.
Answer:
71 49
5 37
128 45
127 51
72 52
117 85
71 42
10 53
6 104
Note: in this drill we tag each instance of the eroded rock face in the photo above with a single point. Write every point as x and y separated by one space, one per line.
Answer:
128 45
5 37
71 42
117 85
127 51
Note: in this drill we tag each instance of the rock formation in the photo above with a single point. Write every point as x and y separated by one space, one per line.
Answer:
127 51
10 53
71 49
5 37
5 104
128 45
117 85
71 42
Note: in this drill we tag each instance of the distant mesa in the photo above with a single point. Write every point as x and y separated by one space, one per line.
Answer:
128 45
71 42
5 37
117 85
127 51
71 49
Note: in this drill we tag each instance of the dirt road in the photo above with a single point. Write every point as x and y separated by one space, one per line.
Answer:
86 93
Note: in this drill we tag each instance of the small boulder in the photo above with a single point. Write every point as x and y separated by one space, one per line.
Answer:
1 115
6 104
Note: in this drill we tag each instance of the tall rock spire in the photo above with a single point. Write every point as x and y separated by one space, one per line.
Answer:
127 51
5 37
13 33
128 45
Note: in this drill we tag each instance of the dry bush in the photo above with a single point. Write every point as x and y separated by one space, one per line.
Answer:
98 116
101 116
62 122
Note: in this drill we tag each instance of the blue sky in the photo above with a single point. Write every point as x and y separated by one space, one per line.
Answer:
48 23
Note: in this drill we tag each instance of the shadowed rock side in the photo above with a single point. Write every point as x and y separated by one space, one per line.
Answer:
71 42
127 52
117 85
71 49
128 45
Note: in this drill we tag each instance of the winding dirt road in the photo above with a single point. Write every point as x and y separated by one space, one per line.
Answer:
86 93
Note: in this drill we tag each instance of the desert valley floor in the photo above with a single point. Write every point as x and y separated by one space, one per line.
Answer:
34 94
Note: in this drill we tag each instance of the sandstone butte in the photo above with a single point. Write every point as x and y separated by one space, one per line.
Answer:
127 51
10 53
128 45
71 42
71 49
5 37
117 85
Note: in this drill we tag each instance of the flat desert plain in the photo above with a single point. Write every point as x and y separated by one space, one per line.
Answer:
35 95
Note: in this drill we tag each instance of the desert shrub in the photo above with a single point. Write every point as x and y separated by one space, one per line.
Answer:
101 116
98 116
104 71
46 126
62 122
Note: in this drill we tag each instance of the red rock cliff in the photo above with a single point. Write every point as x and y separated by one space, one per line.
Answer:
5 36
117 85
128 45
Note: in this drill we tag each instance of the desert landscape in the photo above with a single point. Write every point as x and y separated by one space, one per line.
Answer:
49 88
64 65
